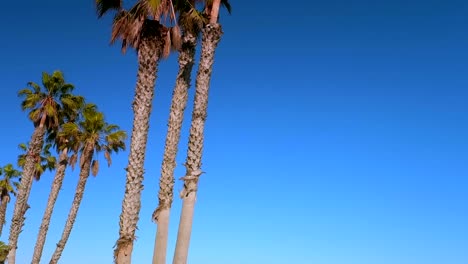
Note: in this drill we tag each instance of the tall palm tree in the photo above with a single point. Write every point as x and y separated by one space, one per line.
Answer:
43 104
141 28
63 144
8 184
191 22
211 36
95 135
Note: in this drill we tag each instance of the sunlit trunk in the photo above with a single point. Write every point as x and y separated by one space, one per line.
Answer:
56 186
80 189
149 53
211 36
3 207
176 117
17 222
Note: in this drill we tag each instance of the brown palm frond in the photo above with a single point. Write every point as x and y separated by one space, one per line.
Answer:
176 37
108 157
95 167
82 160
127 26
167 45
103 6
73 160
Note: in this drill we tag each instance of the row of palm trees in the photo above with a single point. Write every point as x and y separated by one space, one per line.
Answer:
142 27
79 129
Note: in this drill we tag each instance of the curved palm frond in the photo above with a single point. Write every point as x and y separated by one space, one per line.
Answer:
104 6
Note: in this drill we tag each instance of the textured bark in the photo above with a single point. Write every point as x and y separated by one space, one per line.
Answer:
80 189
17 222
149 52
176 117
211 37
56 186
3 207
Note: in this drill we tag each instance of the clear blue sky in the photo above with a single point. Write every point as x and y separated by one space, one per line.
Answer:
337 132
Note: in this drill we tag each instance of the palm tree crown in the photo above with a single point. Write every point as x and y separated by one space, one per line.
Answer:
130 25
94 131
45 103
8 182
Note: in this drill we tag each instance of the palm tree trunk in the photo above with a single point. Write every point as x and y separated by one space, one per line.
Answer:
56 186
211 37
3 207
80 189
215 11
17 222
176 117
149 53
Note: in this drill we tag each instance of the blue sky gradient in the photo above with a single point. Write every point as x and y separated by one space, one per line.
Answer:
337 132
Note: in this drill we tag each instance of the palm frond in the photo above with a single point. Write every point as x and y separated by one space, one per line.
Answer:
104 6
108 157
35 87
31 99
176 37
127 26
35 116
46 80
153 7
193 21
227 5
23 146
95 167
73 160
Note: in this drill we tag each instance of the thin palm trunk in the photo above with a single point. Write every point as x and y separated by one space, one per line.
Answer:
3 207
176 117
211 37
149 53
80 189
21 204
56 186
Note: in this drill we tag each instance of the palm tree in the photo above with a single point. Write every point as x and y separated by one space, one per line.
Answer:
8 184
139 27
95 135
211 36
63 144
191 22
44 104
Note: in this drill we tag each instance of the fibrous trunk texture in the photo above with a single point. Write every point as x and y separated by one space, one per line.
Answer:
211 36
80 189
148 56
176 117
17 222
3 207
54 192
